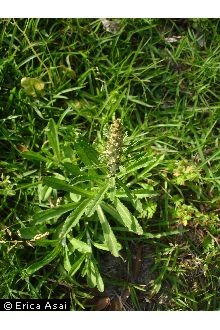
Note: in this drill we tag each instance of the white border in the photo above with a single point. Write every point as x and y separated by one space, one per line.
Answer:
110 320
109 8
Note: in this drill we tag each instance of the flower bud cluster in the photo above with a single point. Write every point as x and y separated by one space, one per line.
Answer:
114 146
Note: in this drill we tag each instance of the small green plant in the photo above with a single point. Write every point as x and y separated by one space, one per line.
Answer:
85 201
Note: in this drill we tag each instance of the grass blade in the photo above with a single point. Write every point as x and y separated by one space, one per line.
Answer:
52 134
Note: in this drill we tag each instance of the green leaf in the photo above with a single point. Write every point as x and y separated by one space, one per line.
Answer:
164 234
136 165
71 168
136 100
26 185
53 212
32 155
72 220
149 209
138 193
46 242
68 153
30 232
129 223
128 219
52 134
44 192
143 162
75 267
43 262
111 210
75 197
59 184
110 239
131 197
80 245
66 262
101 246
86 152
93 276
150 166
97 200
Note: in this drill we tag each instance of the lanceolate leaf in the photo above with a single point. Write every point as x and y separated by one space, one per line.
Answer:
66 262
111 210
86 152
31 232
32 155
72 220
131 197
53 138
145 164
128 219
44 192
123 216
59 184
93 276
110 239
75 267
149 167
138 193
53 212
136 165
80 246
101 246
49 257
97 200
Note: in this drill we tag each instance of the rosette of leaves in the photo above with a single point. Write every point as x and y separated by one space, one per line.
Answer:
80 213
